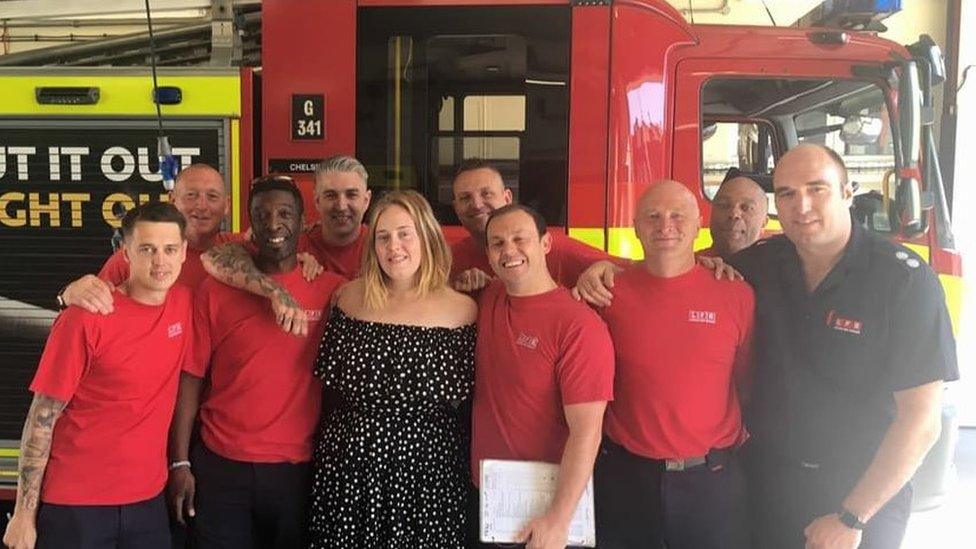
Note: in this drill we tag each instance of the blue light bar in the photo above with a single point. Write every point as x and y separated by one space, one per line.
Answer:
851 14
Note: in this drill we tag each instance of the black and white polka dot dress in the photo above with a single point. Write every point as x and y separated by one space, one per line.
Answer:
390 467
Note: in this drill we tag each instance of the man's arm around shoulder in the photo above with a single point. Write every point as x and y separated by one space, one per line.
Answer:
232 265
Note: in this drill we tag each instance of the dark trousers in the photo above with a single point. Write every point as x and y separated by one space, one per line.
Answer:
142 525
640 505
787 497
249 505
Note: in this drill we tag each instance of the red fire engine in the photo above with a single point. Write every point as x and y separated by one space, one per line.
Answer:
580 103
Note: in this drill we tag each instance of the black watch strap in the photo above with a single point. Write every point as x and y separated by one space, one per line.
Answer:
60 297
850 520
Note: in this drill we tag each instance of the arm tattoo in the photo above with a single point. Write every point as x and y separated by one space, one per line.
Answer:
234 266
35 448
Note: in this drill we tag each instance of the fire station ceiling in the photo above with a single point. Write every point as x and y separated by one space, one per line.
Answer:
189 43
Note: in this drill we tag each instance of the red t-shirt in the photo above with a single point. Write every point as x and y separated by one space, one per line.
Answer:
115 271
342 260
567 259
682 344
119 374
263 402
535 355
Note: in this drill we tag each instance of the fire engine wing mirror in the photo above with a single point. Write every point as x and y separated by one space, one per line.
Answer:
909 114
927 50
861 130
907 219
708 130
909 208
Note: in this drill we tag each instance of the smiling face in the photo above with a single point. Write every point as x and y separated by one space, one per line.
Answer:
341 199
477 193
739 213
516 251
397 244
275 222
813 198
667 220
199 195
155 252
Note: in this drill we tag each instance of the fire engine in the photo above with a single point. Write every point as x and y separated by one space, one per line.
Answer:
580 103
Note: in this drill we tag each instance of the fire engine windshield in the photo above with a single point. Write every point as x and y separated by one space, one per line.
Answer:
748 123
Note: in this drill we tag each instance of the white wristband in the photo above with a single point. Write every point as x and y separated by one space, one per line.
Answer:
178 464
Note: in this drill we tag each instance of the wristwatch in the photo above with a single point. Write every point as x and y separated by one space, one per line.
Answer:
850 520
60 297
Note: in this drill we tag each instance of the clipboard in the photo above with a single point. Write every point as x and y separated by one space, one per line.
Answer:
514 492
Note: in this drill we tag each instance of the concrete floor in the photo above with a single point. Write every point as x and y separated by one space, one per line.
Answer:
953 524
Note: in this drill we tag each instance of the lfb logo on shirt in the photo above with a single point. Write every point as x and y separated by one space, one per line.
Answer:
174 330
313 315
703 317
842 324
527 341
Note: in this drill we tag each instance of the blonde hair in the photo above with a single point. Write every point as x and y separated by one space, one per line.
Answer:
435 259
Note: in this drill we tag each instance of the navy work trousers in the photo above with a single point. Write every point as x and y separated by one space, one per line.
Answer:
243 505
141 525
639 505
786 497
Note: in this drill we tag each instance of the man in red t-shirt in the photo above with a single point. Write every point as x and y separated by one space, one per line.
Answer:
667 472
478 191
543 370
336 242
199 195
740 211
93 455
249 481
341 199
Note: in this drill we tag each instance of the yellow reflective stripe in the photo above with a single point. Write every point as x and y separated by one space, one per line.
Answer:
953 287
9 452
235 175
125 95
922 251
593 237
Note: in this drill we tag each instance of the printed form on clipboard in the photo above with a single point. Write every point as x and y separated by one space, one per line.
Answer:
515 492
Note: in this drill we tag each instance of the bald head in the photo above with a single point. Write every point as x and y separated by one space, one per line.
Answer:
200 196
818 157
199 172
668 191
667 223
739 214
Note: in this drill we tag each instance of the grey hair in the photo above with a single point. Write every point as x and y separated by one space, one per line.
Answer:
342 163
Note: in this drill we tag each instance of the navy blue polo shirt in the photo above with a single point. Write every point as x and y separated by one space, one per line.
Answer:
828 362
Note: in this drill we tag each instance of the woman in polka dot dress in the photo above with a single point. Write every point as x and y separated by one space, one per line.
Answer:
390 470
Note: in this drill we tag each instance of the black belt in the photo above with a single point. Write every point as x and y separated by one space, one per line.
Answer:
716 459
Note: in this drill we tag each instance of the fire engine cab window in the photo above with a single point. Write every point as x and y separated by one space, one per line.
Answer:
438 85
494 113
727 145
748 122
